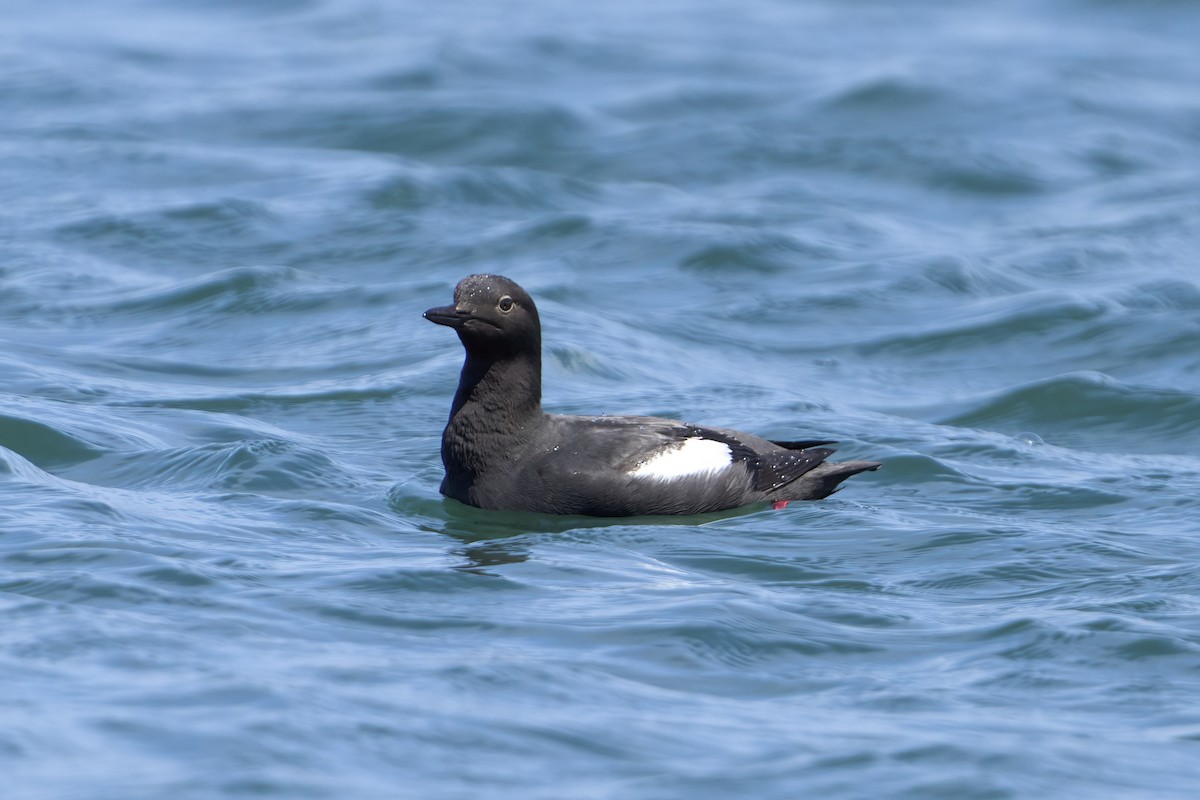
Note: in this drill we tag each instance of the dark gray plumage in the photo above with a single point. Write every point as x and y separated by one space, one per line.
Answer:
502 452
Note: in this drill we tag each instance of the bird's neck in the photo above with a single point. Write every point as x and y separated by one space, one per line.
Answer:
497 409
504 389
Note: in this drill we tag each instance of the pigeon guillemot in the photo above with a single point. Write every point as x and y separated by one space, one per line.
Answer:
502 452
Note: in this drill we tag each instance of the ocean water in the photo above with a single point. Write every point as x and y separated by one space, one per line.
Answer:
959 237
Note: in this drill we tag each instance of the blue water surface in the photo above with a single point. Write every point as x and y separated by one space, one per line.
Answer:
959 237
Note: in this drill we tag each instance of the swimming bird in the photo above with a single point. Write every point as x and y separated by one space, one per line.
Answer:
502 452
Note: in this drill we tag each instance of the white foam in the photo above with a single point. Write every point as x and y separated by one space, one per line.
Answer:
694 456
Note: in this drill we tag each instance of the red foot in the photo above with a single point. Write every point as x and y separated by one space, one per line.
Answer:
778 504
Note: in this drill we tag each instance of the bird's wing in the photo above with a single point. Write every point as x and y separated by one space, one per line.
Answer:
771 464
665 450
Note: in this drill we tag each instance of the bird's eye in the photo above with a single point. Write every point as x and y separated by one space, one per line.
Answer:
505 304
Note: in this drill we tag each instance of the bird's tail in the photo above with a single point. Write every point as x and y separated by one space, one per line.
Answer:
823 480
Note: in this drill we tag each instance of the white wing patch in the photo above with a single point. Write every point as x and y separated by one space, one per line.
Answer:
692 456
